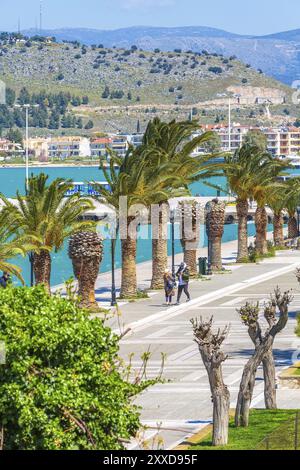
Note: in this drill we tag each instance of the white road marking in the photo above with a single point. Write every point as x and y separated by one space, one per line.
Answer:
207 298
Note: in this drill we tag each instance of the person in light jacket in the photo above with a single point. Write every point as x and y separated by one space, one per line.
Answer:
183 276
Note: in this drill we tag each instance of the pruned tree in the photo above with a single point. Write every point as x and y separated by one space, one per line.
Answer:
263 351
209 345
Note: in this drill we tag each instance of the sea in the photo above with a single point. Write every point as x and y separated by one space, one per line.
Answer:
13 180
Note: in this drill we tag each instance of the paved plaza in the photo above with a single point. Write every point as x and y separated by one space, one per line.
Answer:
182 405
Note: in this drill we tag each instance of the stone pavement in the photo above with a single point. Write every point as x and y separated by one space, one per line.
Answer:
181 406
144 272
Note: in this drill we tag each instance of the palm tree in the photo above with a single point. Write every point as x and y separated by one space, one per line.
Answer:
286 197
52 217
135 183
173 143
12 245
190 214
215 219
292 202
265 192
241 173
250 173
85 251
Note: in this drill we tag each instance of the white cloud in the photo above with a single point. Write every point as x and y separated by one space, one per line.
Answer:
145 3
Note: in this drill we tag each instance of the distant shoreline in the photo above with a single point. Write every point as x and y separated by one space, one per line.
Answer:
51 165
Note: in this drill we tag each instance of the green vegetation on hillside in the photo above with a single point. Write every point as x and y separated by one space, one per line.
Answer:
121 86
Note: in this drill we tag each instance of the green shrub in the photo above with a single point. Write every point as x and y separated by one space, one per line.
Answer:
62 386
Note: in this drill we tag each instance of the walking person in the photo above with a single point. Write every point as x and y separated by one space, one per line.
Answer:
169 283
5 280
183 276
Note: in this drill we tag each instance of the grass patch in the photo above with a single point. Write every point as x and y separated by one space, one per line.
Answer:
262 424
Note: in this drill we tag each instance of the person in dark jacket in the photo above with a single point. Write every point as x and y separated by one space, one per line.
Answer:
5 280
183 276
169 284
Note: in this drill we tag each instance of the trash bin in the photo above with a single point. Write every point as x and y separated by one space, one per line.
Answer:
202 266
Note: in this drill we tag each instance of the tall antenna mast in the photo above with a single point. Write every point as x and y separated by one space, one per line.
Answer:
19 25
41 16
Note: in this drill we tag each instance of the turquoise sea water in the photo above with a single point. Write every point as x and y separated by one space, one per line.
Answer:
12 179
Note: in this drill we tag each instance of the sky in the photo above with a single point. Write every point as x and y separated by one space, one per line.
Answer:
239 16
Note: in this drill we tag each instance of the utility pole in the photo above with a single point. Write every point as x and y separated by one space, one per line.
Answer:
229 124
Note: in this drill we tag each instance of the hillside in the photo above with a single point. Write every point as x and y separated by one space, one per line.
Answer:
277 54
137 80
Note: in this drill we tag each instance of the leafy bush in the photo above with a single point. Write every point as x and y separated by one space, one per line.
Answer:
216 70
62 386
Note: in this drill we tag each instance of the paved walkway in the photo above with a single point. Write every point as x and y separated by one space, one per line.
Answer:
144 273
182 406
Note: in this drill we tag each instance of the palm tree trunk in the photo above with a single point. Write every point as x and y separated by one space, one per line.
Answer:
159 251
278 229
242 214
190 235
261 223
129 278
215 228
42 268
292 226
85 251
86 271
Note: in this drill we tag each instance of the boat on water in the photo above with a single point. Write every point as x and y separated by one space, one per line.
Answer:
86 189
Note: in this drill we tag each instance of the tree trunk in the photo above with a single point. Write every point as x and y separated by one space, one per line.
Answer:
221 406
261 223
42 268
278 230
292 226
215 220
246 391
242 214
86 271
270 381
85 251
212 356
216 254
190 258
190 232
129 278
159 252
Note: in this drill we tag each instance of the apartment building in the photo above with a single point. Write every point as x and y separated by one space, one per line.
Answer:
281 141
69 147
38 147
119 144
99 146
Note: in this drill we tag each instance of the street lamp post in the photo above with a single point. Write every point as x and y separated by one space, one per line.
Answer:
207 225
27 107
113 279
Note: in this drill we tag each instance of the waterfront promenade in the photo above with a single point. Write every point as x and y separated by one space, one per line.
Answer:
182 406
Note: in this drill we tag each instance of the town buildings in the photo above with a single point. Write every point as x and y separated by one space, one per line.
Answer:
281 142
9 149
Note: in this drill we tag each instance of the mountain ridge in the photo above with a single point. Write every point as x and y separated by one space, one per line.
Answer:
278 54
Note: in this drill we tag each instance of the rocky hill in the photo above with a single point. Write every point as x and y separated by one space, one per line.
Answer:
136 82
277 54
